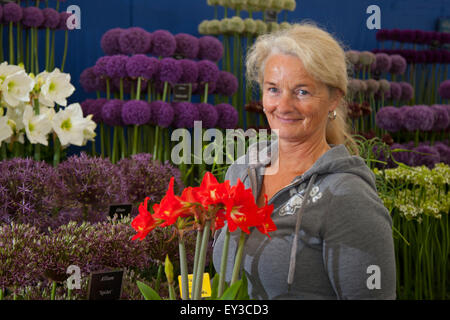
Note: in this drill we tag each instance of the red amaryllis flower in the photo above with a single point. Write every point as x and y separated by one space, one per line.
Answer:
211 191
144 222
171 207
268 225
242 210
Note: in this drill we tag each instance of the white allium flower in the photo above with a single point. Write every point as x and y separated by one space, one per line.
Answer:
16 88
5 129
56 87
70 126
37 127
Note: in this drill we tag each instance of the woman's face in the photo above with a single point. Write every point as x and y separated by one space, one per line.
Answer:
294 102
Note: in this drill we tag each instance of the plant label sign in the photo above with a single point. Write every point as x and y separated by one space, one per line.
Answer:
105 285
182 92
206 287
121 210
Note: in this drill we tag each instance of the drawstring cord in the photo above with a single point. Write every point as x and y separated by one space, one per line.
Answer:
293 255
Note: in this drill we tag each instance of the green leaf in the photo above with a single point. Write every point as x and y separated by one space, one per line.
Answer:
147 292
214 287
231 292
243 291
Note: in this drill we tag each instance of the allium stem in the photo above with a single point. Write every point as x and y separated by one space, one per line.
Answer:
115 142
201 261
223 264
123 144
135 139
184 270
198 244
57 151
138 89
238 260
47 49
52 51
11 43
66 44
1 44
102 139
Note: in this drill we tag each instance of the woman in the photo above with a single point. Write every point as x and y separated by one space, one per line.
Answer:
334 236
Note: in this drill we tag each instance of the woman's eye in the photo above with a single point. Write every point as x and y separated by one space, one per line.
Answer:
302 93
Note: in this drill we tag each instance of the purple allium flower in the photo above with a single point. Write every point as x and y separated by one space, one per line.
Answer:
389 118
187 45
116 66
429 159
381 35
163 43
89 182
170 70
210 49
207 71
419 36
190 71
127 84
136 112
398 65
208 114
52 18
137 65
163 114
418 118
12 12
152 69
88 80
112 112
96 109
185 114
444 152
227 83
441 117
86 107
396 91
407 91
372 86
444 89
19 255
228 116
135 40
383 62
63 18
101 66
32 17
26 194
110 41
150 178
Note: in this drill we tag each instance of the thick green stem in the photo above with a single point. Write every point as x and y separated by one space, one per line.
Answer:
158 277
11 43
201 262
184 271
198 245
57 151
66 43
135 139
238 260
53 293
223 264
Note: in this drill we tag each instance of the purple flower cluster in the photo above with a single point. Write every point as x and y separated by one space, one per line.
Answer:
169 70
160 43
413 36
422 155
150 178
116 112
412 118
444 89
398 91
381 61
34 17
26 193
419 56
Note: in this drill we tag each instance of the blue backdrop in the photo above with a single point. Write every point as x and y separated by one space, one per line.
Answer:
344 18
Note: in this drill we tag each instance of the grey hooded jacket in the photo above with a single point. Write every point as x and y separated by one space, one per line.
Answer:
343 248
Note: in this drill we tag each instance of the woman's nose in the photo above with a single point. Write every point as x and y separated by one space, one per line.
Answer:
285 102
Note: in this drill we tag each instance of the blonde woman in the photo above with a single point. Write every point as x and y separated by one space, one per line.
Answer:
334 236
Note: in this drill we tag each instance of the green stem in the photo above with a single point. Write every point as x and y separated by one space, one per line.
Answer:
223 264
158 277
198 244
184 271
135 139
11 43
201 262
47 49
102 139
69 294
57 151
53 293
238 260
66 43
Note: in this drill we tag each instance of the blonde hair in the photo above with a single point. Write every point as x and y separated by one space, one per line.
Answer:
323 58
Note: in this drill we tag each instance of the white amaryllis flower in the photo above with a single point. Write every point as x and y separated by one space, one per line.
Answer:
56 87
37 127
5 129
89 130
16 115
8 69
16 88
70 126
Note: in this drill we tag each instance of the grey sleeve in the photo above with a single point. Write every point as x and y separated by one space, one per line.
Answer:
358 247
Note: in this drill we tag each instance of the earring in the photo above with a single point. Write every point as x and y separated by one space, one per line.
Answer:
264 110
332 115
